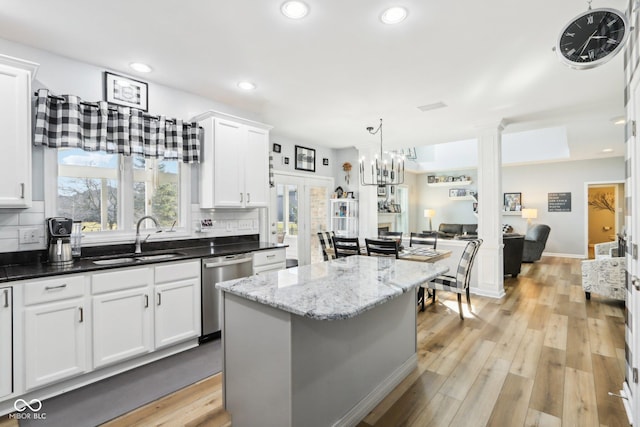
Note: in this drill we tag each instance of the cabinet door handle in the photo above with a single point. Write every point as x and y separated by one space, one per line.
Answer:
146 301
81 314
159 298
248 197
271 256
6 298
51 288
241 197
22 190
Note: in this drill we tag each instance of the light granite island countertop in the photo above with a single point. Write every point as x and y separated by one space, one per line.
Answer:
322 343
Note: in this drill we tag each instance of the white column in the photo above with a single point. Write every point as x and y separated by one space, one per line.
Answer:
489 261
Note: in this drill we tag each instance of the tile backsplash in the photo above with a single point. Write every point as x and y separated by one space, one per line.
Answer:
224 223
14 220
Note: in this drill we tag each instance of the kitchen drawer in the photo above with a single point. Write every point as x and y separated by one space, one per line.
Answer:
177 271
59 288
125 278
268 257
262 269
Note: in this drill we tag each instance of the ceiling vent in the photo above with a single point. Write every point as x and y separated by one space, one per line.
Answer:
433 106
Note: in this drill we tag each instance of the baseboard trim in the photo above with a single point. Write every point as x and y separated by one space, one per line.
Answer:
577 256
371 400
486 293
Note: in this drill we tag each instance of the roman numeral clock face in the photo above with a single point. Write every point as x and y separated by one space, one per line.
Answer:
593 38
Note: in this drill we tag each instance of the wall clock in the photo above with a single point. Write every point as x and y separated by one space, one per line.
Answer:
592 38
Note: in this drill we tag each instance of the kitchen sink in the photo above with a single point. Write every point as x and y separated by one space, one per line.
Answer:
157 257
133 258
113 261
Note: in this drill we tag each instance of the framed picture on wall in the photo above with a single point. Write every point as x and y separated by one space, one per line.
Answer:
305 159
276 148
512 201
124 91
325 162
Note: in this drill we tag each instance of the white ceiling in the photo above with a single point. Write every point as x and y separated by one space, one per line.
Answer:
323 79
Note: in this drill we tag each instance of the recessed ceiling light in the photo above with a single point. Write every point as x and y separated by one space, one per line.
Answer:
246 85
607 150
294 9
140 67
394 15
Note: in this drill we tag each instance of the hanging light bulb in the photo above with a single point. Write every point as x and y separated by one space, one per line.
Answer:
386 170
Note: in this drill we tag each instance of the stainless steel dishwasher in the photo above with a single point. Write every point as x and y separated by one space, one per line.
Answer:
216 270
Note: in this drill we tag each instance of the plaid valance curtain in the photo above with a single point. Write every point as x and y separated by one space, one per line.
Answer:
67 121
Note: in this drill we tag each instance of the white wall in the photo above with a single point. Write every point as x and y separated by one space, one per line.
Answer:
534 181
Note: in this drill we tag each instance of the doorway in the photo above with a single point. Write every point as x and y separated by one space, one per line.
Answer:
299 209
605 213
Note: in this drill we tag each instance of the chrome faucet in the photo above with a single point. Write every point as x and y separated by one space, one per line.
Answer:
138 242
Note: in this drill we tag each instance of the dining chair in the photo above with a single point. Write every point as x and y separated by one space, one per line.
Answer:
390 234
460 282
346 246
424 239
326 241
382 247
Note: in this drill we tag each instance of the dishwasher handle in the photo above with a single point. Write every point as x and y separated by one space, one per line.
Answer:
226 263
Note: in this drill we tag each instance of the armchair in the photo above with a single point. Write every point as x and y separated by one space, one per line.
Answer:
534 242
605 276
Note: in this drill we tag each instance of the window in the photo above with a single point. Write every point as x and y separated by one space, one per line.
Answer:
111 192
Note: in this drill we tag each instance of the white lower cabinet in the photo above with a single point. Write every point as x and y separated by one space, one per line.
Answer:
122 315
55 325
177 310
268 261
6 339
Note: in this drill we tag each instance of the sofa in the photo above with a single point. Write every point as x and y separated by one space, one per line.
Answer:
534 242
449 231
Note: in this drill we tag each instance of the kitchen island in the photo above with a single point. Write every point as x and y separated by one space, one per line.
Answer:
322 344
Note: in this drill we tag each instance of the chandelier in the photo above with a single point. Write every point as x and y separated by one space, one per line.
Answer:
387 169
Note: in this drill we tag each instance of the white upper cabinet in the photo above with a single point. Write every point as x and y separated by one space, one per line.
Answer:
15 131
234 168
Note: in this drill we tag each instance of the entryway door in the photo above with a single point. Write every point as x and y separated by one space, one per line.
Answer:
299 209
632 332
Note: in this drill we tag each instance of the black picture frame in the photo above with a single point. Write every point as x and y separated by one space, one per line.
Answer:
125 91
431 179
512 202
286 160
350 195
325 162
382 190
305 158
276 148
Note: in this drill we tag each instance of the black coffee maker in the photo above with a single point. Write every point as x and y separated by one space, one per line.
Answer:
59 230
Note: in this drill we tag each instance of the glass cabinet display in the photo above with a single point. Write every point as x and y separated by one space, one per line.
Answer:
344 217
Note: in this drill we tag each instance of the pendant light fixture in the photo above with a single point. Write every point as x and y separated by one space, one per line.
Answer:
387 169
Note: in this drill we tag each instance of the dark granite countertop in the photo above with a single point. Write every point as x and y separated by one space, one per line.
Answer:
21 266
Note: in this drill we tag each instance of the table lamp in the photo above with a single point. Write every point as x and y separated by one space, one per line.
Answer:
529 214
429 213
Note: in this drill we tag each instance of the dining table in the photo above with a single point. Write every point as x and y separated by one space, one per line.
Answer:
413 253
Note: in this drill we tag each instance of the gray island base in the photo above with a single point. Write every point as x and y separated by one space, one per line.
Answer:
322 344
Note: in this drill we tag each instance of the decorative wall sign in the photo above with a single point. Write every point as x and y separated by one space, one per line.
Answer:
559 202
305 159
125 91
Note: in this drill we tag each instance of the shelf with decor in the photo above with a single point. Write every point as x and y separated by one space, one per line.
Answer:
462 197
512 213
344 217
449 184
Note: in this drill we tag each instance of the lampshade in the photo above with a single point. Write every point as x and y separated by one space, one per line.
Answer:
429 213
530 213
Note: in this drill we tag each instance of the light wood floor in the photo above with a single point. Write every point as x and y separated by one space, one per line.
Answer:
541 356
